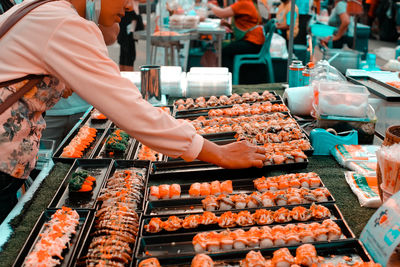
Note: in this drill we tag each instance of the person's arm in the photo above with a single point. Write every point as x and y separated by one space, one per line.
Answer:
344 24
222 13
110 34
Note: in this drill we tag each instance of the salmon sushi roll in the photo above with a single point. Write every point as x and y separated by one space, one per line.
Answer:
284 184
154 193
226 187
267 199
315 181
244 218
208 218
319 211
253 259
227 219
174 191
200 242
292 239
154 226
306 235
282 258
172 224
253 237
191 221
294 199
263 216
334 231
306 255
205 189
210 203
254 200
151 262
281 199
215 188
225 202
202 260
240 239
194 190
305 182
226 240
294 183
239 200
266 239
164 191
213 242
300 213
282 215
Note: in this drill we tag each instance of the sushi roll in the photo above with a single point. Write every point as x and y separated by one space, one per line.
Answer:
213 241
298 155
305 182
226 187
210 203
202 260
306 235
266 239
239 200
283 184
334 231
155 225
281 199
282 215
300 213
215 188
164 191
227 219
294 183
150 262
253 259
244 218
308 196
226 240
254 200
240 239
263 216
282 258
208 218
278 235
315 181
191 221
320 233
319 211
172 224
292 239
306 255
205 189
321 194
194 190
225 202
268 199
293 199
154 193
174 191
200 242
253 237
272 185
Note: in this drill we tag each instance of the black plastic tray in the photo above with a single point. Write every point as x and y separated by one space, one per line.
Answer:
85 218
86 239
181 244
197 110
182 169
335 215
379 88
95 123
88 152
125 164
98 168
101 153
332 252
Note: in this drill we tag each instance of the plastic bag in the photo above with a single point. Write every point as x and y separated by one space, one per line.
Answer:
278 46
344 154
365 188
364 167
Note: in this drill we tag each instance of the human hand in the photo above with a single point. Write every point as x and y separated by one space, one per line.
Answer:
324 41
239 155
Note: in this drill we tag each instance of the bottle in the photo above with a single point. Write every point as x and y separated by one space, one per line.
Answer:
307 73
370 63
296 73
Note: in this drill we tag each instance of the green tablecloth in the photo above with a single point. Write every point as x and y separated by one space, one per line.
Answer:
331 173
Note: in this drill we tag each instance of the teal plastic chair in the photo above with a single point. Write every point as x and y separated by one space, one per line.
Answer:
263 57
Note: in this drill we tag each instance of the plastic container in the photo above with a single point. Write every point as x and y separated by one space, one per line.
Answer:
343 59
322 30
385 194
342 99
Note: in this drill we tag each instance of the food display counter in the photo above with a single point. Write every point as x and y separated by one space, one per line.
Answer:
162 188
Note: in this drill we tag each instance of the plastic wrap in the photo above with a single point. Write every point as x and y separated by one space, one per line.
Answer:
365 188
344 154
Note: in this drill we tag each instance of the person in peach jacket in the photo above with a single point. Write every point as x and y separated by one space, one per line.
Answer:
55 39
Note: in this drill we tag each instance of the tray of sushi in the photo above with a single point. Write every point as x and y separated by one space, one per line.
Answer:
244 239
344 254
110 239
54 238
96 119
190 105
115 144
258 108
218 220
126 183
82 184
181 169
143 152
79 143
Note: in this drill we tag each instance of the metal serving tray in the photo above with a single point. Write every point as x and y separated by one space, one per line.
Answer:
332 252
175 245
200 110
126 164
85 219
379 88
180 169
87 238
335 215
87 153
98 168
100 152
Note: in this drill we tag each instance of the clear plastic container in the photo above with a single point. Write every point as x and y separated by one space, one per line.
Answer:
342 99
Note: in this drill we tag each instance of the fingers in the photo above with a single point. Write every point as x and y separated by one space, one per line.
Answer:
257 163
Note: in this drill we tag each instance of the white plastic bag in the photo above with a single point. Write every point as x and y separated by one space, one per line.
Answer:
365 188
278 46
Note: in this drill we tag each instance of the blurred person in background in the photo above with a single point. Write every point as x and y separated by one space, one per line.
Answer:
283 19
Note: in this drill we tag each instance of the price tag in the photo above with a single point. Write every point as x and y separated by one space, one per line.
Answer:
381 235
